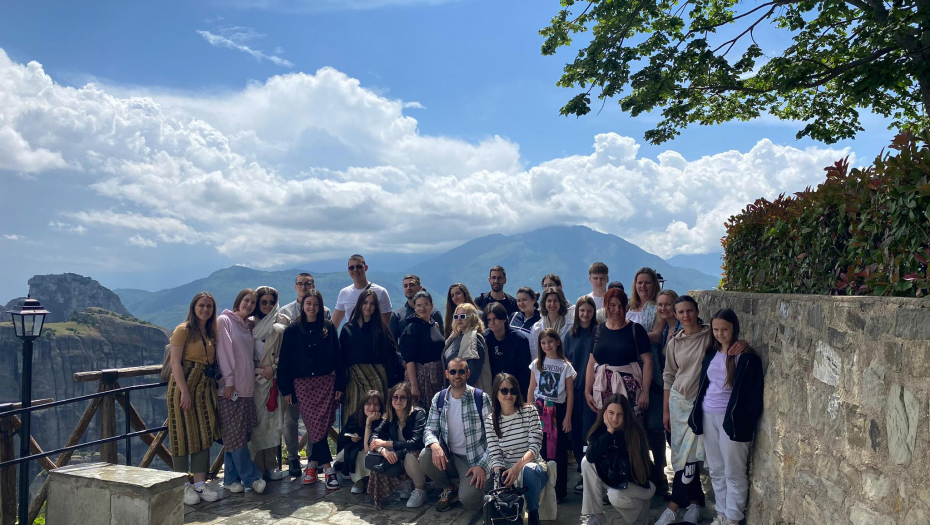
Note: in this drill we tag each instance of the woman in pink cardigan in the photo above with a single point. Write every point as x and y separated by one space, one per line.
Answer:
234 353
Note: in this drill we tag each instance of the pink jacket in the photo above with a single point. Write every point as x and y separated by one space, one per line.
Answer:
234 348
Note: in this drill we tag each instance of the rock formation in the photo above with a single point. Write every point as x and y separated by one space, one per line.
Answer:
64 294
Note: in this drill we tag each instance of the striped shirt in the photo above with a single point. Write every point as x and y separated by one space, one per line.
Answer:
520 432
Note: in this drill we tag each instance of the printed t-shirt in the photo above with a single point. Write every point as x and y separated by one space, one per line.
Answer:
550 382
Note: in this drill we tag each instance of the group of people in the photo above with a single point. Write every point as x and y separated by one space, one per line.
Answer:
496 391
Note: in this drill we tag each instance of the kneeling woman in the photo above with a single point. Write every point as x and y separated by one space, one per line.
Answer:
312 369
514 442
399 439
617 461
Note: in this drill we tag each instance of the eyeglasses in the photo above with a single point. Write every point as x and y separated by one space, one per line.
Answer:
460 371
307 284
399 398
459 316
267 303
496 278
353 267
508 391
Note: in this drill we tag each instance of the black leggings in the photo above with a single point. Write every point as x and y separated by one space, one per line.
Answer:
320 453
683 494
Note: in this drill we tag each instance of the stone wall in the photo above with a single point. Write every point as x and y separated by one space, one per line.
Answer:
845 436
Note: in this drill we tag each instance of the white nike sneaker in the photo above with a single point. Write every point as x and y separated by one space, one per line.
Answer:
667 517
692 514
190 496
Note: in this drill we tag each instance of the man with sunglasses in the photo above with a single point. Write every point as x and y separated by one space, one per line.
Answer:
399 317
455 441
348 296
303 285
497 278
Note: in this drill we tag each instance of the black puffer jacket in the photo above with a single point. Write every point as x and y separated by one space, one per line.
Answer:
745 405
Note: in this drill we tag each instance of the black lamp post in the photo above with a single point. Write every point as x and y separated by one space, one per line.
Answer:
661 281
27 323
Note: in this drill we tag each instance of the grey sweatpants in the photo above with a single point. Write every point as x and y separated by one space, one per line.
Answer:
632 503
470 497
291 418
726 461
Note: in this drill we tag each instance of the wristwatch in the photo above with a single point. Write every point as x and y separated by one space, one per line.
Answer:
379 449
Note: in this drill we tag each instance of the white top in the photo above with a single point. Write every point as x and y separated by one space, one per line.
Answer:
456 426
550 383
348 297
598 301
637 317
538 327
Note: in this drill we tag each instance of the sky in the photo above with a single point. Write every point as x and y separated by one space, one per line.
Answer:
147 144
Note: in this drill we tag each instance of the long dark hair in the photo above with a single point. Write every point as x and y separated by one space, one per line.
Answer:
193 327
563 302
633 435
725 314
259 292
559 351
302 321
389 411
360 416
499 379
576 327
378 328
450 306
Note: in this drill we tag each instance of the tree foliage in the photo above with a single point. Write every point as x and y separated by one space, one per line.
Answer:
861 232
700 62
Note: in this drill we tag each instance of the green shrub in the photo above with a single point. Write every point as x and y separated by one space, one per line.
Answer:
861 232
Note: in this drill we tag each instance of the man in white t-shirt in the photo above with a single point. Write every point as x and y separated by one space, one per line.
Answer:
597 276
348 296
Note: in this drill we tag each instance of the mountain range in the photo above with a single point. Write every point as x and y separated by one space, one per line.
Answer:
564 250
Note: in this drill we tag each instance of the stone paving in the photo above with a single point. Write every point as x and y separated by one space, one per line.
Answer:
289 502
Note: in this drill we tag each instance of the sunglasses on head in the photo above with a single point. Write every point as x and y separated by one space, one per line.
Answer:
460 371
459 316
353 267
508 391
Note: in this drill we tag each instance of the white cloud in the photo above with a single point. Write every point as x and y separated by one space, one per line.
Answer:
307 166
67 228
235 40
12 237
142 242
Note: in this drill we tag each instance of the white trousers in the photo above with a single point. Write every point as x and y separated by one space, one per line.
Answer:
726 461
632 503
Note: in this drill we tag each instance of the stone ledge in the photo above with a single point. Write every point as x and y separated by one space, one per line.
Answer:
120 479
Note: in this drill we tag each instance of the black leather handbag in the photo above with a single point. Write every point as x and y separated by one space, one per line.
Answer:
377 463
614 468
504 506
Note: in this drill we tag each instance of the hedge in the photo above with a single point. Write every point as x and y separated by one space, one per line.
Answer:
861 232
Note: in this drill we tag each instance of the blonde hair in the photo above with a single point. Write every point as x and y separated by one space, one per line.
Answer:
472 320
637 302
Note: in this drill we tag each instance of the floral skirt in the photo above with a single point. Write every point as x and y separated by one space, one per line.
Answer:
237 419
317 403
430 379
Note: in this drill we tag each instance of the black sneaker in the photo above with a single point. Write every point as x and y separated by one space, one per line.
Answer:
579 487
294 469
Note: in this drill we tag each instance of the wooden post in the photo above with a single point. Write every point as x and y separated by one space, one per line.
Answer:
138 425
154 447
106 416
217 463
7 474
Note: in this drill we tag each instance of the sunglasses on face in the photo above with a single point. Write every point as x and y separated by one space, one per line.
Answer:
353 267
402 399
459 372
459 316
267 303
508 391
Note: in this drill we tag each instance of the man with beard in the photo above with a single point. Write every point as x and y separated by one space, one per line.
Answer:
497 278
455 440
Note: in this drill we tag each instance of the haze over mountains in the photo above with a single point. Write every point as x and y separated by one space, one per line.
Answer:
565 250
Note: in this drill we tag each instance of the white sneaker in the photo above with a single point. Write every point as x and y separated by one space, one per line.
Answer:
552 471
667 517
277 475
258 486
720 520
190 496
594 519
405 489
236 487
692 514
417 498
209 495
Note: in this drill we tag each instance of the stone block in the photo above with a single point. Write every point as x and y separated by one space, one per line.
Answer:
872 387
894 355
859 514
877 325
917 358
827 364
815 317
875 486
902 415
913 324
107 494
917 516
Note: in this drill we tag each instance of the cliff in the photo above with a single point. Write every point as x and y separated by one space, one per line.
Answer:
93 339
64 294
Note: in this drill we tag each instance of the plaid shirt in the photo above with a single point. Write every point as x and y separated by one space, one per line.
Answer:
476 444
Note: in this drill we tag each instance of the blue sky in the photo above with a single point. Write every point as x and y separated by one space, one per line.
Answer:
445 89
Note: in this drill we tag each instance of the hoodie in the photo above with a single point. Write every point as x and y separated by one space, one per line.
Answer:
683 357
234 352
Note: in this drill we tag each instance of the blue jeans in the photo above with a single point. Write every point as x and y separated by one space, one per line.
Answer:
238 466
534 479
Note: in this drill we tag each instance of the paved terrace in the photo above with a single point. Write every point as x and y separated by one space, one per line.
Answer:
289 502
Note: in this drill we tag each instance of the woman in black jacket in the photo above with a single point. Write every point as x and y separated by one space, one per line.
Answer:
311 369
617 461
727 425
353 443
399 439
420 348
